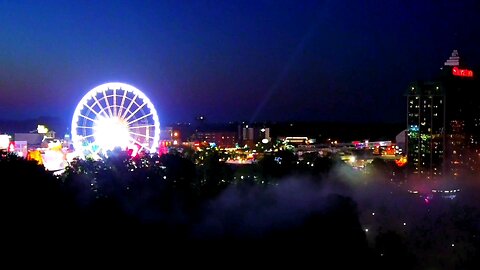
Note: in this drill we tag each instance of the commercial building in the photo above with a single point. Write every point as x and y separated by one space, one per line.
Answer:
252 134
443 123
222 139
425 128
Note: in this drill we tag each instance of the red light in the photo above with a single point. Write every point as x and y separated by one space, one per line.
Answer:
462 72
401 162
133 150
11 147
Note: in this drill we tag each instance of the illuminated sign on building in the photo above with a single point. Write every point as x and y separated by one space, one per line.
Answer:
462 72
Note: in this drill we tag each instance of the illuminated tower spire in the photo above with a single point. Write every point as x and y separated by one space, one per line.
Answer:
454 59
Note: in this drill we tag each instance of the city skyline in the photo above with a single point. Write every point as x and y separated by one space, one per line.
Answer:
293 132
240 61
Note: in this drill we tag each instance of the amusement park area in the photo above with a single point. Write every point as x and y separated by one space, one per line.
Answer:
55 153
118 116
40 145
110 116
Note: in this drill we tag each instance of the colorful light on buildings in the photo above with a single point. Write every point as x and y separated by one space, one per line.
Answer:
133 150
401 162
42 129
35 155
11 147
4 141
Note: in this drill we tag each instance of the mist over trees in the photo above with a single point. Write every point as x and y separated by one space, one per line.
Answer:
316 211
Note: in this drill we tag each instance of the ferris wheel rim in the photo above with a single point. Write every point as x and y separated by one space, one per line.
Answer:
126 88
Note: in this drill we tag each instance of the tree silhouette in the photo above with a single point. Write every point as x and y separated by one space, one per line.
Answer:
30 195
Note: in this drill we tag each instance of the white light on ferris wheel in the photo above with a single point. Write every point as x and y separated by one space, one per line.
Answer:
115 115
111 132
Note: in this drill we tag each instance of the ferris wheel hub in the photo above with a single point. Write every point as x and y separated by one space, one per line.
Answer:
111 132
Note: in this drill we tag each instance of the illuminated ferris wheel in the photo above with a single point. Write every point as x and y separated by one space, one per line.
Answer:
115 115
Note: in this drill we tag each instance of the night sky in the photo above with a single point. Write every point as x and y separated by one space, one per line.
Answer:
231 60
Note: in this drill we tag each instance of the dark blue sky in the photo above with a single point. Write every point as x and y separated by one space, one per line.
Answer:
231 60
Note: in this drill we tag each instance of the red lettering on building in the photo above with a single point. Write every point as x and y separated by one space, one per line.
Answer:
462 72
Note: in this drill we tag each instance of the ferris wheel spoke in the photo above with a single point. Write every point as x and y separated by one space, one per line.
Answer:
141 135
99 105
137 142
114 102
86 117
133 113
129 105
88 136
145 126
108 103
140 118
122 111
91 109
122 103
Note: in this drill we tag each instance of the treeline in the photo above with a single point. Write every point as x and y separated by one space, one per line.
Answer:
172 199
196 203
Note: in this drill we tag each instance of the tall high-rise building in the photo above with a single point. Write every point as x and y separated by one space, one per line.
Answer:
443 123
462 121
425 128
